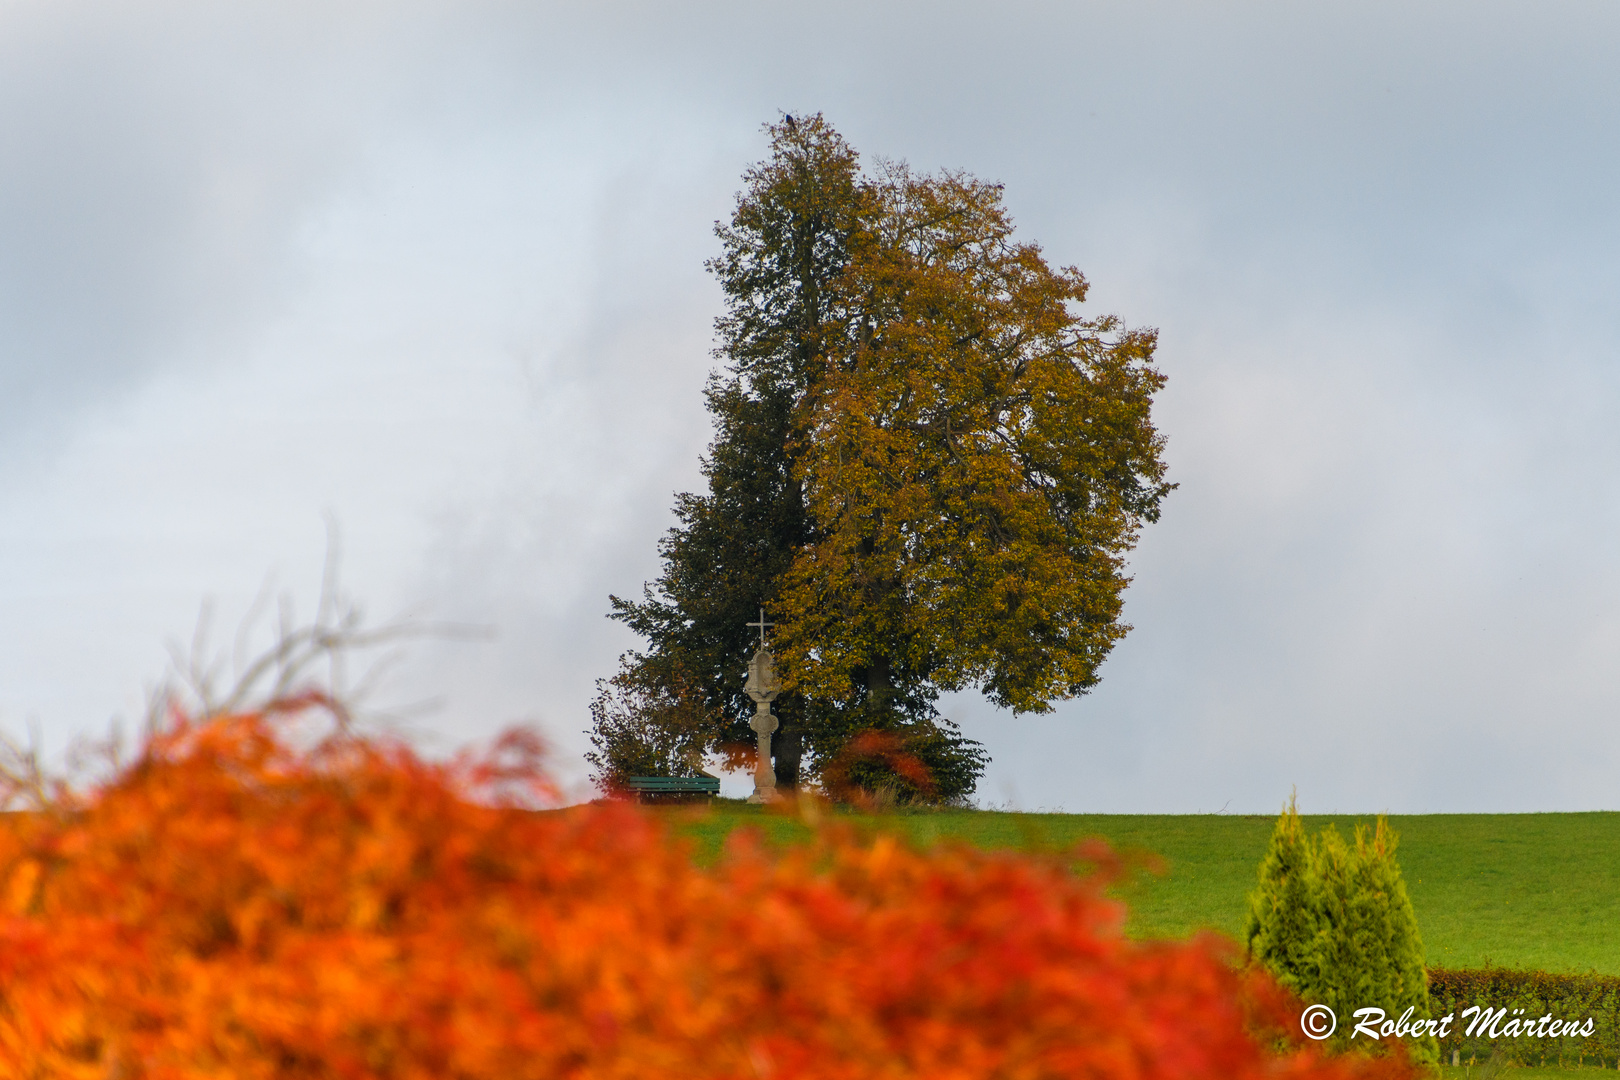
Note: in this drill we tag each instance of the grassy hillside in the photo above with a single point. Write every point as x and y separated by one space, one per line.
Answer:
1524 890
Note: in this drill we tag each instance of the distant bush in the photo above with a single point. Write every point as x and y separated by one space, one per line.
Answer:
922 762
1333 922
237 904
1564 998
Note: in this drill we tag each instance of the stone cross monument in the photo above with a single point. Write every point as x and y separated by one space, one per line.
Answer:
763 686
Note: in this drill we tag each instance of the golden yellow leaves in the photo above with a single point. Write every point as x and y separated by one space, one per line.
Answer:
976 456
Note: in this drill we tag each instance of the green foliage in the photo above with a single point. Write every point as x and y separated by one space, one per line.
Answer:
1538 994
1332 920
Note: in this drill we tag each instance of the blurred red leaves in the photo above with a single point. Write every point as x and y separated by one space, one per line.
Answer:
881 748
238 905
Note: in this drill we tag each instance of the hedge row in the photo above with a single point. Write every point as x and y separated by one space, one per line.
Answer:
1520 1036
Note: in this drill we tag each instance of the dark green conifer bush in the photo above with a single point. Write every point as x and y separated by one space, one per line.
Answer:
1332 920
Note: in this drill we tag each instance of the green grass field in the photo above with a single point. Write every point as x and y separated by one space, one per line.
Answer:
1521 890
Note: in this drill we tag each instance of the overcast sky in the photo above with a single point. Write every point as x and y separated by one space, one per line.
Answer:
434 271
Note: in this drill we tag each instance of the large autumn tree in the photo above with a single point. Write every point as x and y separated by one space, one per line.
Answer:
928 468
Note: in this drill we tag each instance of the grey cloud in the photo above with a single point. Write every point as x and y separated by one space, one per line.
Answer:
1378 241
153 164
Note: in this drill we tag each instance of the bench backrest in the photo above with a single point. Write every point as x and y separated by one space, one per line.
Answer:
673 783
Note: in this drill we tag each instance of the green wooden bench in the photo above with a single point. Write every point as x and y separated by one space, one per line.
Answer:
672 785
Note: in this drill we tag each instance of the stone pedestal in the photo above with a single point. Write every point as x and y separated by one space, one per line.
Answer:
764 772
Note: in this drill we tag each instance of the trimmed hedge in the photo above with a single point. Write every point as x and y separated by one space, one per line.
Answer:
1538 993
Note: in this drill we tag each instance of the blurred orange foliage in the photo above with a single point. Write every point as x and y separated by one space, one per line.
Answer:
238 904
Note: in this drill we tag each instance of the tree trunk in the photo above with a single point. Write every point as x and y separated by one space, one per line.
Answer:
787 750
879 688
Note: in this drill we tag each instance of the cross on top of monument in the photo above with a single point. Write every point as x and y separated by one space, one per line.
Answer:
762 624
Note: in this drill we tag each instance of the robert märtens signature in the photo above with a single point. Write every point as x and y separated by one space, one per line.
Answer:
1319 1021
